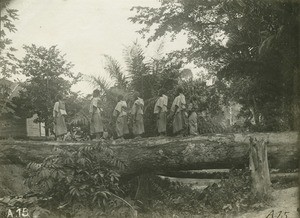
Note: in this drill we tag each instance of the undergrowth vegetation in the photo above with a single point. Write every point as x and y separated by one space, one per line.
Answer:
230 195
84 182
75 179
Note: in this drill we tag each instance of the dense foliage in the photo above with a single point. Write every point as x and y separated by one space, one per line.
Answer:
8 61
74 179
84 180
228 197
147 77
48 74
251 46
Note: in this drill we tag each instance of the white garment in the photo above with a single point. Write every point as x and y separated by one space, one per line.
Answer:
162 102
121 108
94 103
57 109
165 103
180 102
63 112
139 102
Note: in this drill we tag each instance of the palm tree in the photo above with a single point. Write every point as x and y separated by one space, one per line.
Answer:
114 69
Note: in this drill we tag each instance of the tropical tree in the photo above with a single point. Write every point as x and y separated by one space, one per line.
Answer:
109 92
147 76
48 74
263 68
114 69
251 46
138 75
8 61
136 67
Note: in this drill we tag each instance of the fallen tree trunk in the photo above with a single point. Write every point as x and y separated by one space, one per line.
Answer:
168 154
203 174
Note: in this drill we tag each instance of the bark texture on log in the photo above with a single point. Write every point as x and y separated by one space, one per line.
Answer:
275 177
203 174
259 167
168 154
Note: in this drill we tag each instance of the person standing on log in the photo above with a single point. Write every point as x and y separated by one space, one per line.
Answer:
192 119
178 112
59 113
137 112
96 123
160 110
121 115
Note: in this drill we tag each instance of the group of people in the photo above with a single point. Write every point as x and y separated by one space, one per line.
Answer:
184 116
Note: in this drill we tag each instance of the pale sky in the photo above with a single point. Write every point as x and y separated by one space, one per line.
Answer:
84 30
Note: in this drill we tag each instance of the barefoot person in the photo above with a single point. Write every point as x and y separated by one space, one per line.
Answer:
137 116
178 112
121 113
96 123
160 109
59 113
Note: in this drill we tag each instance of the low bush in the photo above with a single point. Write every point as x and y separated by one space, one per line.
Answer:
74 179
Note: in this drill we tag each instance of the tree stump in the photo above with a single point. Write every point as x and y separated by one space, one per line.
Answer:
259 167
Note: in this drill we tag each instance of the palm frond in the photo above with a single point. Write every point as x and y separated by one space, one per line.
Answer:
100 82
134 59
113 67
82 117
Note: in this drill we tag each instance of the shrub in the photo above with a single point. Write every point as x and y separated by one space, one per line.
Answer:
72 179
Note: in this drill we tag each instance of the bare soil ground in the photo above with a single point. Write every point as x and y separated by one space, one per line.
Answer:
285 205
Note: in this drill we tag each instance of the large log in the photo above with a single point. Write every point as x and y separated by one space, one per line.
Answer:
167 154
224 174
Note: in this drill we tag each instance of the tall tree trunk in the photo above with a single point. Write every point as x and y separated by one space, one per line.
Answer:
258 161
46 131
296 100
255 112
